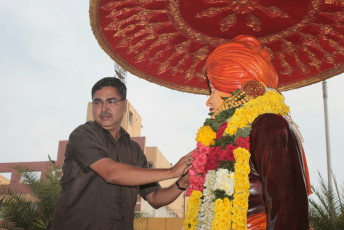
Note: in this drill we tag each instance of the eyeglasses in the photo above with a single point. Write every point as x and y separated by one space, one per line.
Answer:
108 102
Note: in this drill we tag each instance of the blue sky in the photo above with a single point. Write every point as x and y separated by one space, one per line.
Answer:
50 60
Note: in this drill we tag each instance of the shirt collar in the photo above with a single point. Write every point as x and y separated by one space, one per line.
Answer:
122 131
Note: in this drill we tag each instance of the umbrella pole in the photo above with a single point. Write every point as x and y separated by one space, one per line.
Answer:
327 135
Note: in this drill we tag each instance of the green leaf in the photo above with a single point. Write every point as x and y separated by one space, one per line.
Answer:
326 206
31 212
221 194
220 118
229 165
224 141
243 132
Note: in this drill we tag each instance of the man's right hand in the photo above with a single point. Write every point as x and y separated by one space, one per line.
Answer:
182 166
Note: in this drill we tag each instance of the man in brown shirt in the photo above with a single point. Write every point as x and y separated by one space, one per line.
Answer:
104 169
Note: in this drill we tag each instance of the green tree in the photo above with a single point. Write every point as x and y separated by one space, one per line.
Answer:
21 211
326 211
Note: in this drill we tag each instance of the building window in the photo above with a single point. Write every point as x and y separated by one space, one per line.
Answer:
36 175
5 177
131 118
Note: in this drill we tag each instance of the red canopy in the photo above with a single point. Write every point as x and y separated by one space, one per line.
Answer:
168 41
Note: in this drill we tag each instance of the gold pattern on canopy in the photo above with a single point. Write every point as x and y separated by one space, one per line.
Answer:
167 41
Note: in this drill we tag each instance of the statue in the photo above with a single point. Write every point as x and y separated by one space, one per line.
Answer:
249 169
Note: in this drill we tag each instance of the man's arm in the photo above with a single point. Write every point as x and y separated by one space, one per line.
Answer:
124 174
169 194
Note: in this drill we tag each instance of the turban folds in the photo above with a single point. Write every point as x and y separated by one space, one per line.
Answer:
242 59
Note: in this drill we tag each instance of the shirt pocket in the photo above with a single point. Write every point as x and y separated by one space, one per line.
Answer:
117 209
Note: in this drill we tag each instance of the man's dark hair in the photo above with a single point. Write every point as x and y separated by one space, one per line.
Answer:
111 81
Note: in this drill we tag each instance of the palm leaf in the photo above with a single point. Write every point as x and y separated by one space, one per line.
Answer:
36 210
326 208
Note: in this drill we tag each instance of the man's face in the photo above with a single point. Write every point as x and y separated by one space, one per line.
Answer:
215 99
108 109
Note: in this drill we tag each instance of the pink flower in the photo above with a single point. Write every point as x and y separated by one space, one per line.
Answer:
194 181
189 191
201 179
195 154
197 182
201 159
202 148
200 168
192 172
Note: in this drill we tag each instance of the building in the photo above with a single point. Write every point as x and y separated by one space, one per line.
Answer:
4 180
132 123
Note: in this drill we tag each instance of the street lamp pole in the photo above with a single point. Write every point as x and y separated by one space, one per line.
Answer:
327 135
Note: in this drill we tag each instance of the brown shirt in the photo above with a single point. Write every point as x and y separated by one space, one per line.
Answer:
87 201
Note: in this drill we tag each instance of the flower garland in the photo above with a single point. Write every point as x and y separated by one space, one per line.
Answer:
192 210
219 183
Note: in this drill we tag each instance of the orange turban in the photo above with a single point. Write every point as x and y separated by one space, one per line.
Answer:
242 59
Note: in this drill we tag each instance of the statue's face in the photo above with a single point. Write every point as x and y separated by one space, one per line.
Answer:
215 99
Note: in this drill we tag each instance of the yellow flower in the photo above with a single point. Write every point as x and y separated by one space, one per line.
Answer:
192 210
206 136
242 186
222 214
270 102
